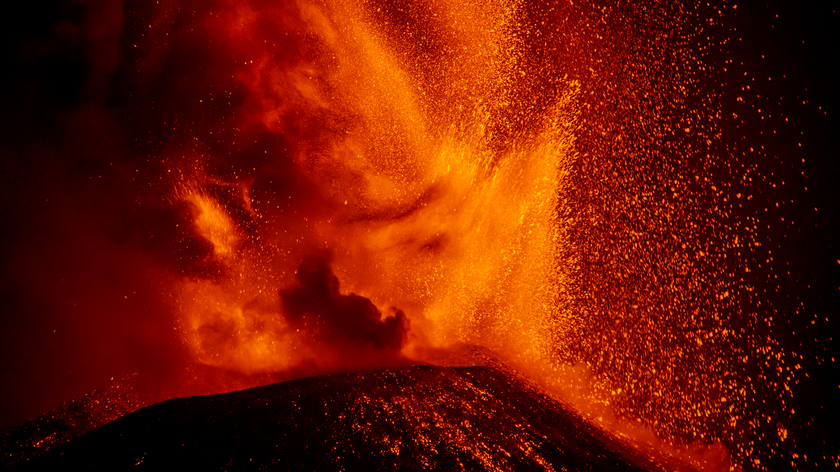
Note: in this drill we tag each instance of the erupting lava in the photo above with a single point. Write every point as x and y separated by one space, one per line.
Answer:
436 199
321 186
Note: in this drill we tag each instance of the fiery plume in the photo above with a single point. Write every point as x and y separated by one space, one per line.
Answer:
221 193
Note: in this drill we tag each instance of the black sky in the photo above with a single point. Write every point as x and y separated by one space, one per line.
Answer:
77 216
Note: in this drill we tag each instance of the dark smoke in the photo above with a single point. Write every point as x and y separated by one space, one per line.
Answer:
346 321
101 100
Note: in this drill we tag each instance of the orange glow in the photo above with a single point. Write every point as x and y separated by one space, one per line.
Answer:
629 203
473 173
214 225
421 209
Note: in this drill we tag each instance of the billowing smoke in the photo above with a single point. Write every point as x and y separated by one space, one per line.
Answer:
340 322
551 180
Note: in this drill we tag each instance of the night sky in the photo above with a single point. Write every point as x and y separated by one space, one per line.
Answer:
88 244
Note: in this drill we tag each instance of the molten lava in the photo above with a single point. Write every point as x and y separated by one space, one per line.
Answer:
430 197
320 186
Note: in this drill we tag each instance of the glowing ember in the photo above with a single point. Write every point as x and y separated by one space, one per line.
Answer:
306 187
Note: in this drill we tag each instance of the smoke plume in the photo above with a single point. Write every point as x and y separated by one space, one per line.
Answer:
340 322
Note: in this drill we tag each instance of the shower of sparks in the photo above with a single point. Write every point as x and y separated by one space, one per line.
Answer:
571 185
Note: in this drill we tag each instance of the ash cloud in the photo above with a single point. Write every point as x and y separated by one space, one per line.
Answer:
343 322
108 105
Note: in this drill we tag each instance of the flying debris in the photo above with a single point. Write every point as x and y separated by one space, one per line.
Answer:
627 201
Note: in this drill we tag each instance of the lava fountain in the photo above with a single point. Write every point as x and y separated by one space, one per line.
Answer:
309 187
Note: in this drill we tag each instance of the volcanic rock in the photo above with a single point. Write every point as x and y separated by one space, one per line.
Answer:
412 418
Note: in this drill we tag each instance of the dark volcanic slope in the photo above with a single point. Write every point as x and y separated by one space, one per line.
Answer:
422 417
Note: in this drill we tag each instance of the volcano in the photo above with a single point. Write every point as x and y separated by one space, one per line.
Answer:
412 418
633 202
